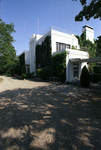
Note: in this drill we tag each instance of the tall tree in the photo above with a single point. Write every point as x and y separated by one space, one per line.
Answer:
91 8
7 50
98 45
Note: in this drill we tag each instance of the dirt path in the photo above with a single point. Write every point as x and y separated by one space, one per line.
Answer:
45 116
13 83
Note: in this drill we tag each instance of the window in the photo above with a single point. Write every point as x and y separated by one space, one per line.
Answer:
76 69
62 46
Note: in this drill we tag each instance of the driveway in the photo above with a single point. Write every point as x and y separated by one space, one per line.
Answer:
48 116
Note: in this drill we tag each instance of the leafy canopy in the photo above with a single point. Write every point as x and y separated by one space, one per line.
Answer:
7 50
98 45
91 8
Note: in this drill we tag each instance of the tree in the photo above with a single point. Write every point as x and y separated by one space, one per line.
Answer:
85 78
91 9
22 63
7 50
98 45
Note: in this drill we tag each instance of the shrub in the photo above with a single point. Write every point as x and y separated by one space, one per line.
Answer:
97 69
85 77
59 65
24 75
39 73
96 77
42 73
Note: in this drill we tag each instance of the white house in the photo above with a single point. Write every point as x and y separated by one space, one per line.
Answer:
60 41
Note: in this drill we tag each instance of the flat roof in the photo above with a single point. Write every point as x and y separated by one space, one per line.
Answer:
88 27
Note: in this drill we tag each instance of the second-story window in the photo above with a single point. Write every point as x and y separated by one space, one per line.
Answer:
62 46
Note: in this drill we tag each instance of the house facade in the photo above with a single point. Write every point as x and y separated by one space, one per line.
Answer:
60 41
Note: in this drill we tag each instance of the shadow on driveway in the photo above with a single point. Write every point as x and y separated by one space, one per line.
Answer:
42 119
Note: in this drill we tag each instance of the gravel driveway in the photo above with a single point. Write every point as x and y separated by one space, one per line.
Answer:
44 116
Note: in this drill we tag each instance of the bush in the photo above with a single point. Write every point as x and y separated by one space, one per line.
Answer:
39 73
96 77
97 69
24 75
31 74
59 65
85 77
42 73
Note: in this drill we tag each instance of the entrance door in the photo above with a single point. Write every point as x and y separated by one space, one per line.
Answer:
76 69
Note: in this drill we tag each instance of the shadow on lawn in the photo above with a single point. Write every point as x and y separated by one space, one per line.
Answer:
43 119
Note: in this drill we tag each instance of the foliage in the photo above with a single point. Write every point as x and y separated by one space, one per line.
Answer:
97 74
97 69
48 65
16 67
73 47
56 69
43 73
22 63
81 39
97 77
27 75
39 73
24 75
7 50
88 46
43 53
59 65
98 45
93 9
85 77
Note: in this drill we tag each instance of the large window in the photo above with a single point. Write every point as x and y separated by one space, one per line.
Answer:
62 46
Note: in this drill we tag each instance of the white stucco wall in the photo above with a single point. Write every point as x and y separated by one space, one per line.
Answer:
27 57
89 33
32 50
74 56
32 53
65 38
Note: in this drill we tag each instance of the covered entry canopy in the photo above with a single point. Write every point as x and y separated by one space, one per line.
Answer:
97 59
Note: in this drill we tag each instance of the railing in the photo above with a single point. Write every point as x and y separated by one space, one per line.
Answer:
57 29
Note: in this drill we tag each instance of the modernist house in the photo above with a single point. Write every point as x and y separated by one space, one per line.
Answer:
61 41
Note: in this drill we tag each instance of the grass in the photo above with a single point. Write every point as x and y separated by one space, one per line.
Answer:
1 80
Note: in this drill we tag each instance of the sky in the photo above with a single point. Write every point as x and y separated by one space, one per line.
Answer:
35 16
